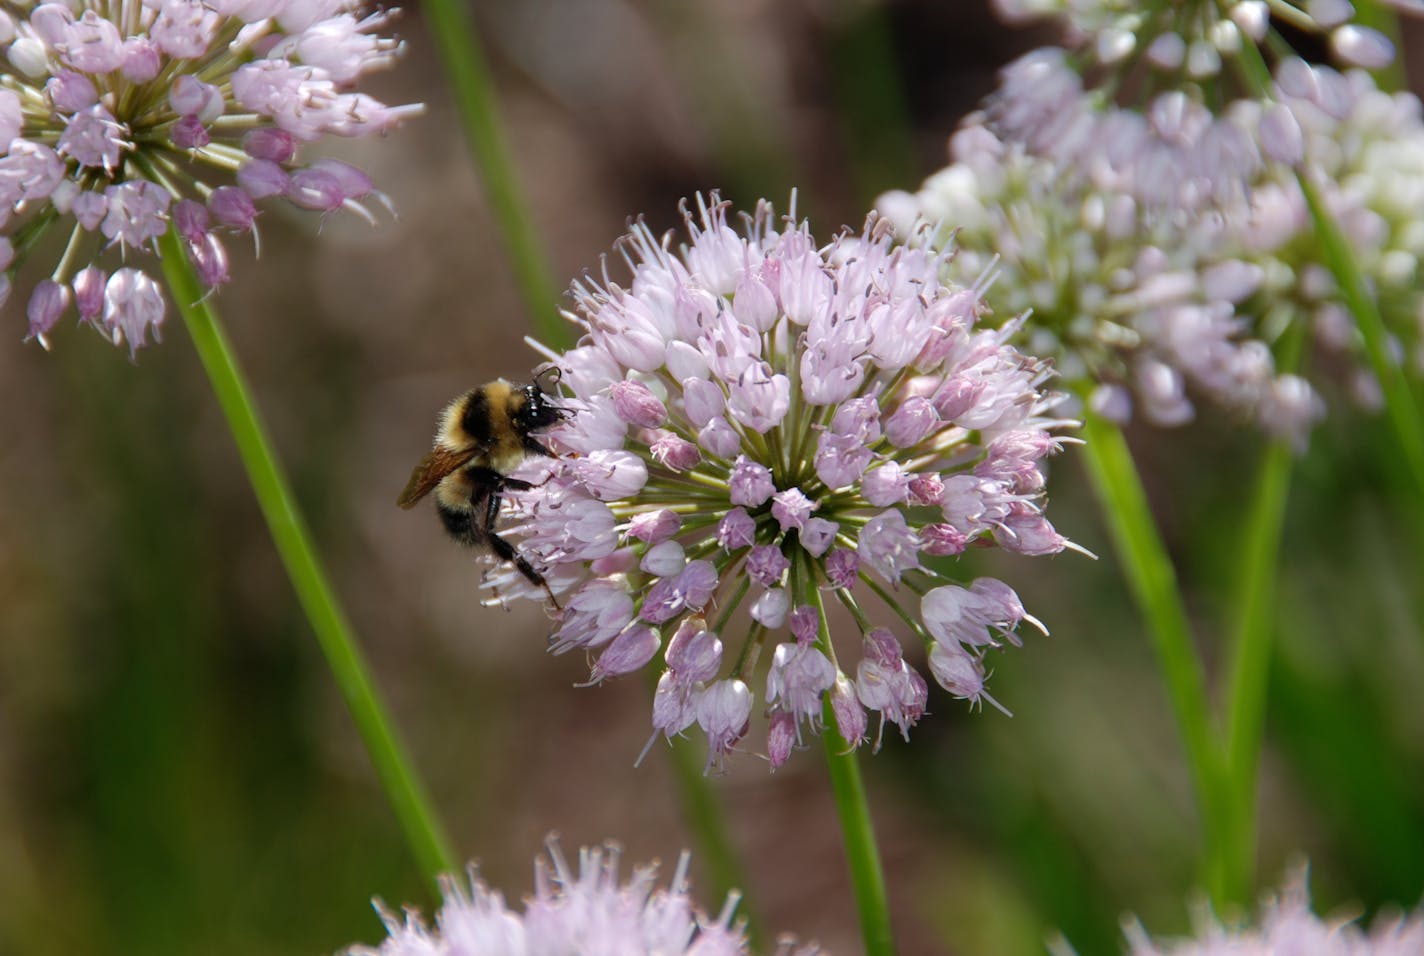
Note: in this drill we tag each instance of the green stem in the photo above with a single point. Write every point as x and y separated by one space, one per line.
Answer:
1400 404
427 841
867 876
1250 663
1385 18
1250 652
862 855
458 44
1153 581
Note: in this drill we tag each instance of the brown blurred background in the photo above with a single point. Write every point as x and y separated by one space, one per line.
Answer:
177 773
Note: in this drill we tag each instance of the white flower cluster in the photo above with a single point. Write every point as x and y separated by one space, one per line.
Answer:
765 421
1287 925
585 912
119 119
1164 256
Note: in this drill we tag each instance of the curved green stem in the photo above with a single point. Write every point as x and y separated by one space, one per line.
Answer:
867 876
862 854
1153 582
1250 664
1250 652
1400 404
422 830
469 79
1385 18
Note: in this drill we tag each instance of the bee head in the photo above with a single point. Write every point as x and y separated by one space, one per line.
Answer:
538 411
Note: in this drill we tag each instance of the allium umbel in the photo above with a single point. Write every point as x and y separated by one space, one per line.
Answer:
1199 39
762 423
1158 312
574 912
1287 925
119 119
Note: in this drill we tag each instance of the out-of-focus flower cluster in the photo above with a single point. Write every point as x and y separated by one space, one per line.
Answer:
1168 255
119 118
588 912
1121 299
1288 926
1194 39
760 421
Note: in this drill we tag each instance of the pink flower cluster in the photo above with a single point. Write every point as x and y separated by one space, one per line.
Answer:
121 118
588 910
760 422
1164 255
1287 925
1199 43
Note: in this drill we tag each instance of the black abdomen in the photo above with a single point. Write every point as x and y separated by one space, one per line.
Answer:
461 524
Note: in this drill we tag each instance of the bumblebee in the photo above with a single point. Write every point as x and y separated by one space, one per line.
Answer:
482 435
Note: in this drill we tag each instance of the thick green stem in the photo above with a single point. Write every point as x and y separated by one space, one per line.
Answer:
455 38
1250 652
1400 404
867 876
1250 664
1153 582
422 830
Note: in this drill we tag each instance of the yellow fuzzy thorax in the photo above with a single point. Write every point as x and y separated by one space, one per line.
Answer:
502 447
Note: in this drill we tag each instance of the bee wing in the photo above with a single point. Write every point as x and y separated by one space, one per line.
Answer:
431 470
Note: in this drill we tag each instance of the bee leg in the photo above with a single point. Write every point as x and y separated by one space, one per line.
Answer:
502 548
496 483
505 552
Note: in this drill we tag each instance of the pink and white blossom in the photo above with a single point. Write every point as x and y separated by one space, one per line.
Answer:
1156 230
1287 925
124 118
815 479
583 908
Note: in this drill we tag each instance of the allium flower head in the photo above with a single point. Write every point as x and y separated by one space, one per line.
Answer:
1288 926
1149 313
588 911
1363 149
120 119
1180 139
764 423
1160 311
1193 39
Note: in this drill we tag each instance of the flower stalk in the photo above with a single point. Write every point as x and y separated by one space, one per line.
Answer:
1250 665
427 841
1153 581
469 80
867 875
1401 407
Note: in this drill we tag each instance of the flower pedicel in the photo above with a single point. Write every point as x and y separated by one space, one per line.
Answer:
119 118
760 422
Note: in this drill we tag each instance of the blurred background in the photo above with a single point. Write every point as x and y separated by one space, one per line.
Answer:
178 774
